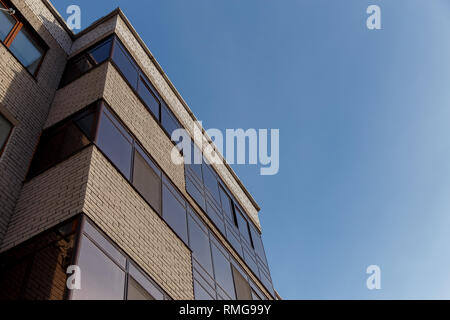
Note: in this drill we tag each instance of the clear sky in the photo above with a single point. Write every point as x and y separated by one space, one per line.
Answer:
364 119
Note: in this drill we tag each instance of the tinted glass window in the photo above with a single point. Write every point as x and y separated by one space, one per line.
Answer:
146 180
125 64
145 283
210 181
234 240
200 293
101 278
115 143
226 204
222 271
56 145
101 52
168 120
195 162
195 192
243 290
6 23
258 244
215 216
199 244
136 291
174 213
149 98
243 225
5 129
27 50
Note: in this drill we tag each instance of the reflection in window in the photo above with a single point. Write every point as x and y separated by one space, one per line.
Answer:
168 120
58 143
5 129
222 271
146 93
174 213
27 50
146 180
125 64
199 244
243 290
136 291
101 279
21 40
115 142
7 22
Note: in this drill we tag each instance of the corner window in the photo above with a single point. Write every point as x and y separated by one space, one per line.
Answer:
21 40
5 131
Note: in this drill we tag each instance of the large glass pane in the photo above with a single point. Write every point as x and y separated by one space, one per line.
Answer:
222 272
243 290
27 50
149 98
215 216
101 278
145 283
168 120
101 52
258 245
125 64
146 181
243 225
210 181
6 23
200 293
5 129
194 192
226 204
174 213
199 244
112 141
136 291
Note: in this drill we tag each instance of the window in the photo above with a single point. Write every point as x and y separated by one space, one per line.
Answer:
147 94
101 279
210 181
200 293
242 225
21 40
194 191
258 245
60 142
145 283
226 204
125 64
5 130
81 64
147 179
243 290
168 120
174 212
199 243
136 291
222 271
115 142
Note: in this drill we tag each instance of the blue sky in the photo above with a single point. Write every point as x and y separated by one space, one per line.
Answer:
364 129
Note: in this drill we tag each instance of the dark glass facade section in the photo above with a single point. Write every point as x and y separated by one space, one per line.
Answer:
174 211
168 120
243 290
209 192
125 64
63 140
36 269
149 97
109 274
21 39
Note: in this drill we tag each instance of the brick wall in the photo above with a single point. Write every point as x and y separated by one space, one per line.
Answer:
27 100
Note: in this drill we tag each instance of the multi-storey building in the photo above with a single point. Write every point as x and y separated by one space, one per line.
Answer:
87 178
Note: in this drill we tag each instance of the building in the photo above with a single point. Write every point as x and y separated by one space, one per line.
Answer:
87 180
